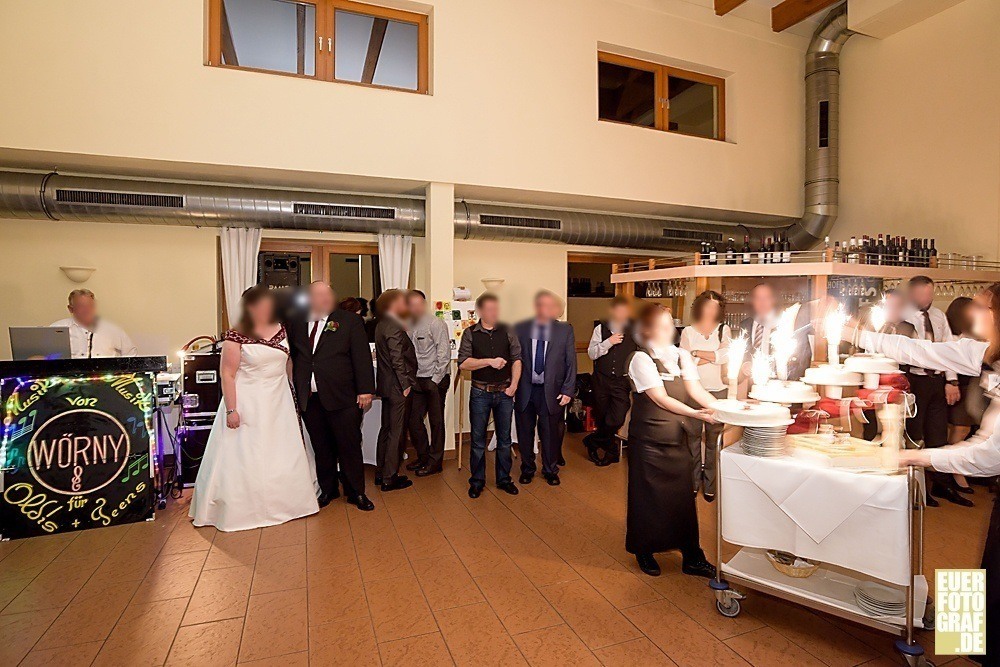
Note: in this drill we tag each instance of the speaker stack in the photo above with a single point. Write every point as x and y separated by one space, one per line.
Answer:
201 393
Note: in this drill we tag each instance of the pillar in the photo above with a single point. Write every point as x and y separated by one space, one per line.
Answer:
439 271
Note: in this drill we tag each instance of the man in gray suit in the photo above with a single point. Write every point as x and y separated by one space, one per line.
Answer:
547 385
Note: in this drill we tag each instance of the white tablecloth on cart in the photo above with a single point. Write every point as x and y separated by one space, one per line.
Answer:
855 520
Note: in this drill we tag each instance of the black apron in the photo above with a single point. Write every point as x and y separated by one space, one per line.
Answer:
661 512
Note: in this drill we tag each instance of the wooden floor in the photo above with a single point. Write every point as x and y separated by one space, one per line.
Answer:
430 577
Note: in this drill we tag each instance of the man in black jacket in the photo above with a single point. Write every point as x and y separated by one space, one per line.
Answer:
334 383
396 376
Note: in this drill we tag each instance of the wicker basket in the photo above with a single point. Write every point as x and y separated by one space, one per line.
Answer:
800 572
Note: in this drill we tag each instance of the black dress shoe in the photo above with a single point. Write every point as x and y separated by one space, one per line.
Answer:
475 491
553 480
396 483
930 502
699 568
561 461
709 497
416 465
648 564
361 502
508 487
424 472
949 494
378 480
525 478
967 490
323 500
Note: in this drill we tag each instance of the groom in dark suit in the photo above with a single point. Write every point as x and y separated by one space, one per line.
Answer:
334 383
547 385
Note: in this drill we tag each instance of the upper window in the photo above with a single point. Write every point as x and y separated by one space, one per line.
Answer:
331 40
636 92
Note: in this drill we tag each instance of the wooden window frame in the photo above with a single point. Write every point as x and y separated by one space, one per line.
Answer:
662 80
323 42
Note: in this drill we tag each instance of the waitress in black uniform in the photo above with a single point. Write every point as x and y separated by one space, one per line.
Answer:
661 508
979 457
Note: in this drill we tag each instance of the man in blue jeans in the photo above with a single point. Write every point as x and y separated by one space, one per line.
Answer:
492 353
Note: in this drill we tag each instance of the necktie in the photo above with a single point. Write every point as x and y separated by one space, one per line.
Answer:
312 335
539 367
758 335
928 327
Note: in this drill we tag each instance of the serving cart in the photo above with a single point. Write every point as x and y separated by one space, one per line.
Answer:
749 569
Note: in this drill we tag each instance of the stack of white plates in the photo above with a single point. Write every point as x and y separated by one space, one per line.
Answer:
764 441
878 600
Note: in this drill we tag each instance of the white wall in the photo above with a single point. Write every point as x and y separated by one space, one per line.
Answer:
920 131
514 100
157 282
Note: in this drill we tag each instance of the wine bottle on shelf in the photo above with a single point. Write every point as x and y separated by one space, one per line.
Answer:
786 252
900 250
746 250
730 252
713 254
852 253
762 252
880 251
933 256
837 254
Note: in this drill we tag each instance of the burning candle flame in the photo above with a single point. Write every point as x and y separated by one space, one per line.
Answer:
833 327
876 315
737 350
760 368
783 340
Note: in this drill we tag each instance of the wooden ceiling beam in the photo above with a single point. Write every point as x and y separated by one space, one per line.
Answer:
723 7
791 12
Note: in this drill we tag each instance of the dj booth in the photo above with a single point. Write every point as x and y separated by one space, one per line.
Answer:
78 446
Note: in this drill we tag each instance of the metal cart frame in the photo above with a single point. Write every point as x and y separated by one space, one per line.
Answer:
727 599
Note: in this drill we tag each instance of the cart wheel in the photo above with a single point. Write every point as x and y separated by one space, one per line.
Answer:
732 610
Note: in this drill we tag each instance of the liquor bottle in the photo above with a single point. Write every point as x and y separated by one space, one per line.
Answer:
713 254
746 250
852 253
762 252
786 250
837 255
880 251
933 260
900 251
730 252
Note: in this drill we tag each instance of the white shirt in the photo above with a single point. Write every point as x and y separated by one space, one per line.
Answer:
106 340
598 347
645 375
942 334
975 457
319 324
717 341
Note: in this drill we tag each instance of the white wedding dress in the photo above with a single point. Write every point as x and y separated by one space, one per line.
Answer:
259 474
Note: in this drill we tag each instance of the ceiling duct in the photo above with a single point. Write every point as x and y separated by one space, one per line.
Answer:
108 199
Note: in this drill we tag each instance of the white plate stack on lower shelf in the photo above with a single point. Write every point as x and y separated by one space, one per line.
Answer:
764 425
878 600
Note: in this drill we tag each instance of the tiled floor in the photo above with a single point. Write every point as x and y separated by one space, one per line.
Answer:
431 577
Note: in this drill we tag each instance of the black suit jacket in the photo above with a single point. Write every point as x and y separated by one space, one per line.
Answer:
560 365
396 357
342 362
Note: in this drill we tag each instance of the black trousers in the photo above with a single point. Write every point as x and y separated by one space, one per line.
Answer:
931 421
991 563
428 401
612 399
534 413
336 439
392 434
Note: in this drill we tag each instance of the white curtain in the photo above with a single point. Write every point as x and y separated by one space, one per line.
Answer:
394 254
239 264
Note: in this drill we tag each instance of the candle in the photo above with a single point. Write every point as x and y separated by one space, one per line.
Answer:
783 340
760 368
737 350
834 325
876 315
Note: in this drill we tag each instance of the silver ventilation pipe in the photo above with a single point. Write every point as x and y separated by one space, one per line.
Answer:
109 199
822 182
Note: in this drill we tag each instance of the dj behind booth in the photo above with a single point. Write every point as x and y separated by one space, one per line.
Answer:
78 446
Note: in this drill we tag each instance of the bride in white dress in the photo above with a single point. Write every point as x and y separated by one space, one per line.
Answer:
256 471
